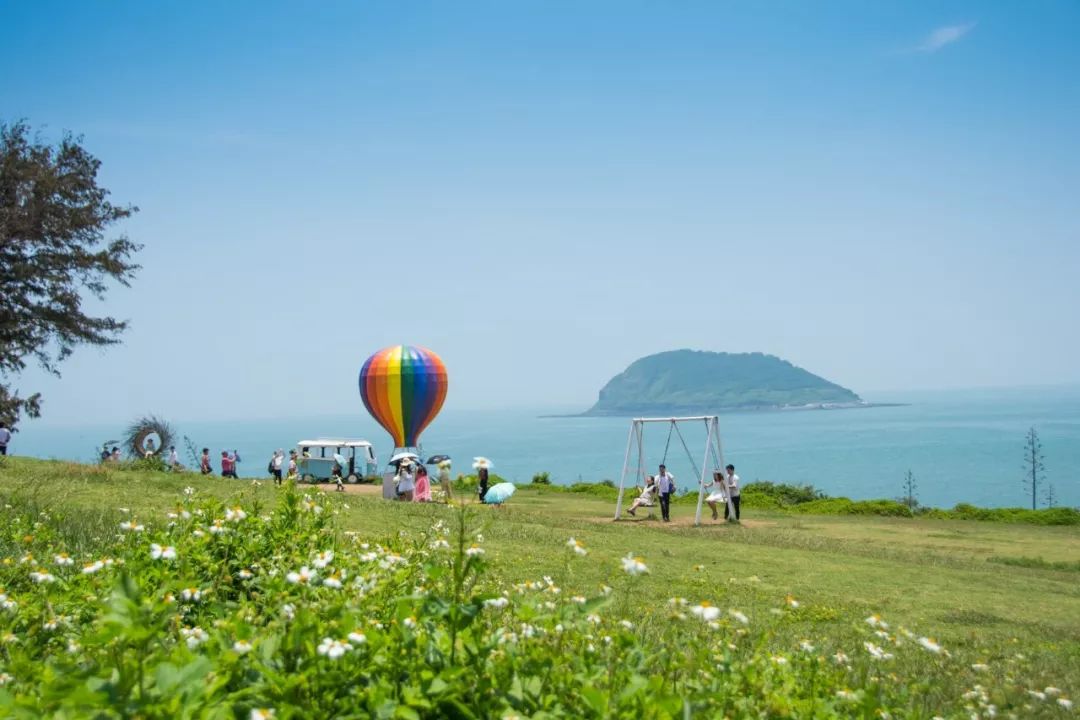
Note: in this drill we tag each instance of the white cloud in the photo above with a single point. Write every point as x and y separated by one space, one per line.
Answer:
943 36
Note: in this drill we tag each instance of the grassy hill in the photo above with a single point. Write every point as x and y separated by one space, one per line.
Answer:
1003 597
690 381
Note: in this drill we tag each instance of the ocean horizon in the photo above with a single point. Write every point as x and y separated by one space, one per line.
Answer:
961 445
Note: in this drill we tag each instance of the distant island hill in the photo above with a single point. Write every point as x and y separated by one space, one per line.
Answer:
692 382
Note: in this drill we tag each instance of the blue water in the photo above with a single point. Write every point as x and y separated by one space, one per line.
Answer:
962 446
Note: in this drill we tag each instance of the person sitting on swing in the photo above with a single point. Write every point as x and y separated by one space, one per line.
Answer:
666 484
648 494
717 495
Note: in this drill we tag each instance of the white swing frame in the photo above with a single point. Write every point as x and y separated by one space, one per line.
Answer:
712 444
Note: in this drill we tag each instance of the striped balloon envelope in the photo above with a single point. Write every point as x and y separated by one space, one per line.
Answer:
403 387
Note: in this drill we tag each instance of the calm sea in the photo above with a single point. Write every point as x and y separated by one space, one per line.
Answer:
962 446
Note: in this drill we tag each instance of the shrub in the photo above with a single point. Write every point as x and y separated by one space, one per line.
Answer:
782 493
541 478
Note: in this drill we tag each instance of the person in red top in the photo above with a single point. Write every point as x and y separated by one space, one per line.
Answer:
204 462
228 465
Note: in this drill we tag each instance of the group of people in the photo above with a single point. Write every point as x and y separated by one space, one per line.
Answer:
663 485
412 483
229 461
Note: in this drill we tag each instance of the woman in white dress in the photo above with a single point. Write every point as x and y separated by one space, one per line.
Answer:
406 482
648 494
716 496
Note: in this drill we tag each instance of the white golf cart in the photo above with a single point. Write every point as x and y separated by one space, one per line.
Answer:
317 461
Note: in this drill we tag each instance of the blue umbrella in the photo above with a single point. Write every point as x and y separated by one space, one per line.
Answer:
498 494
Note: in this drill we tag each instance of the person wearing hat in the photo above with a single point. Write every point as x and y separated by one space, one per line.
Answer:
406 481
444 480
292 466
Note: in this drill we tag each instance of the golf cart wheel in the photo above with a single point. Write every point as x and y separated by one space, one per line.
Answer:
352 479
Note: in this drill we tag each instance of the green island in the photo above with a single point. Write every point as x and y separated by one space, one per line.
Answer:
693 381
128 592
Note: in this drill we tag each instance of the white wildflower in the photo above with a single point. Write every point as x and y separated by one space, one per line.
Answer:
194 636
333 649
357 637
131 526
930 645
323 559
333 581
497 603
235 514
263 714
289 611
159 552
474 551
306 576
739 616
577 546
805 646
191 594
242 647
706 611
63 559
634 565
876 652
40 576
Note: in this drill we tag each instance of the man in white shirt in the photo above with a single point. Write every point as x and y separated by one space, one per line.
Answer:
275 465
665 482
174 459
732 482
5 438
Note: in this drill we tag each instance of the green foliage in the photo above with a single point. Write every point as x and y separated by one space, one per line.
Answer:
220 609
687 381
53 255
541 478
769 494
844 506
1046 516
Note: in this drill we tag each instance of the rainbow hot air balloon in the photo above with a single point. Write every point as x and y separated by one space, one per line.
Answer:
403 387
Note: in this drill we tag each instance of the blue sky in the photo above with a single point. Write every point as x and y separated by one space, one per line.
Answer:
883 193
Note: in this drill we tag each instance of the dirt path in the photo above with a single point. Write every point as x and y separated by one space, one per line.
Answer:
685 519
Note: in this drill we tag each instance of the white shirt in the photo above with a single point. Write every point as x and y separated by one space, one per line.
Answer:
405 482
665 482
174 459
732 481
5 436
278 459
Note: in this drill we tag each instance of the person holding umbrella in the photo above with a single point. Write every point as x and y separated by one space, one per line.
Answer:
443 463
405 481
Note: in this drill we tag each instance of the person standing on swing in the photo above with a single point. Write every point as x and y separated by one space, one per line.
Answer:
665 481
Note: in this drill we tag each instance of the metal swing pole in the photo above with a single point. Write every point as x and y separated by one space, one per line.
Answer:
625 467
704 469
723 470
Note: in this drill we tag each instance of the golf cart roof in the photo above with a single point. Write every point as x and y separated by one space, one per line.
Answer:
333 442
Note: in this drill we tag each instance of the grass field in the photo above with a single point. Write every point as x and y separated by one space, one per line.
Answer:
995 590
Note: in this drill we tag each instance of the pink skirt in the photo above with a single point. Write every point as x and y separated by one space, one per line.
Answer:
423 489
